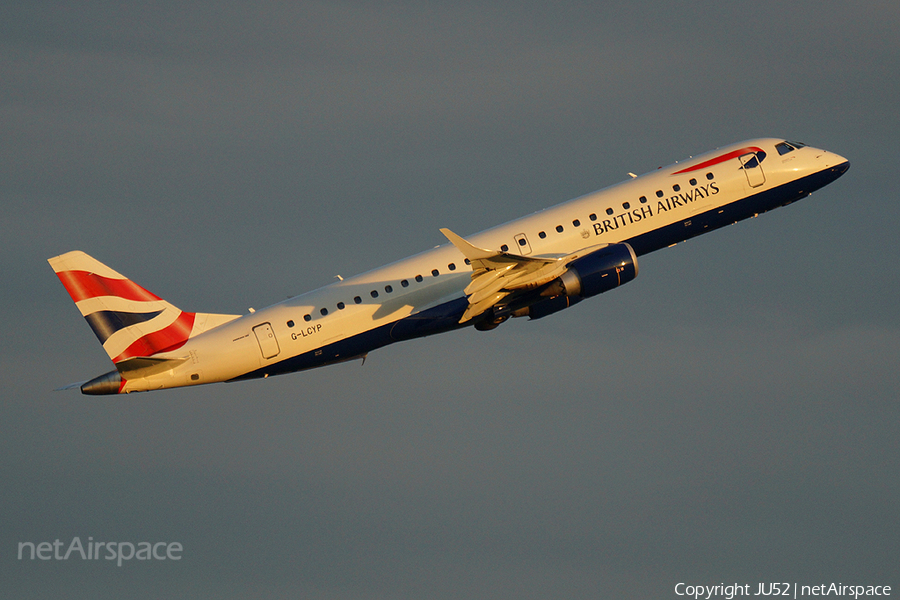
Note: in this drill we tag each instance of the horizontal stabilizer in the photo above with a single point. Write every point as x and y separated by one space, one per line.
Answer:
144 366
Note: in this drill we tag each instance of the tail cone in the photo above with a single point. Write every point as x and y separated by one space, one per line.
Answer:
111 383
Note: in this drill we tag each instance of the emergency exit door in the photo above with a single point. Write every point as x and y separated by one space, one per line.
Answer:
268 345
522 244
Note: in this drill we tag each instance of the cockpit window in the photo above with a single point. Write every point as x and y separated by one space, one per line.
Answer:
786 146
783 148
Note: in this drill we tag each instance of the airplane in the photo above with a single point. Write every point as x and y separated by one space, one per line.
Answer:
532 267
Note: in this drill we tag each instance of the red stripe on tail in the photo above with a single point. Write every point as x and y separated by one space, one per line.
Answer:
172 337
82 285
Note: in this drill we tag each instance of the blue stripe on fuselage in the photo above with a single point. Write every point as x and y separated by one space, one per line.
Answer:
734 211
446 316
441 318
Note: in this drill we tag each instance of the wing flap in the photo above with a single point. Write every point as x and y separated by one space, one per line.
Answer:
496 275
484 280
482 305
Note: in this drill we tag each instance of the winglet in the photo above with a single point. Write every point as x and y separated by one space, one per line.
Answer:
469 250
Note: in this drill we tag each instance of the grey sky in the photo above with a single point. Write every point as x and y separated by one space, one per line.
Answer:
729 416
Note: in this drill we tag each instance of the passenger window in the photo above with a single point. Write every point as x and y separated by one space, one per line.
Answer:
419 278
710 176
559 228
542 235
405 283
388 289
693 182
676 187
324 311
576 223
659 193
626 205
374 293
643 199
435 272
504 248
340 305
593 217
609 211
290 323
307 317
468 262
452 266
357 299
522 242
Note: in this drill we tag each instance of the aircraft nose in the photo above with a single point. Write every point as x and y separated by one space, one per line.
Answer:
842 166
835 165
833 161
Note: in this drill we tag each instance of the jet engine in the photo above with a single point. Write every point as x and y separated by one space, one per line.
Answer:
598 272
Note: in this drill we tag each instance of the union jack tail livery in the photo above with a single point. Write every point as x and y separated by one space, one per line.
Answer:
131 323
531 267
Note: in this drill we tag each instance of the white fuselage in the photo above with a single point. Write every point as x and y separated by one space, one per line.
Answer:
348 318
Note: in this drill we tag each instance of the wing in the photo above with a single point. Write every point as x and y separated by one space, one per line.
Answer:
496 275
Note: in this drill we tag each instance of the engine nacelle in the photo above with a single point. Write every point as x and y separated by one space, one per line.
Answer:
598 272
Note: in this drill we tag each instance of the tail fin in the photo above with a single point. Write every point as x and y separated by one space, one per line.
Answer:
128 320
